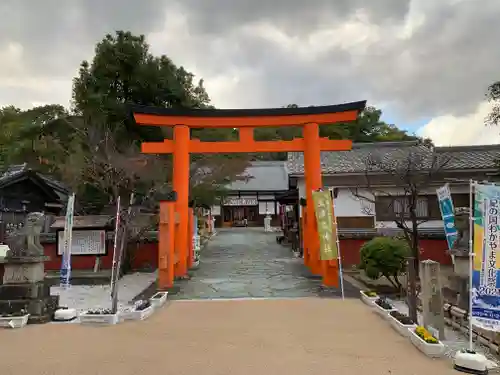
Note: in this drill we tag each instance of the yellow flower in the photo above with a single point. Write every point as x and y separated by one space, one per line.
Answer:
425 335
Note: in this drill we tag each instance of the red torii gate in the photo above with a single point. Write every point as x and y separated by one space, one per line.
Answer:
246 120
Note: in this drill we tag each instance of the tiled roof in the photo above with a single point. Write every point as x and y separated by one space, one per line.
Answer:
12 172
104 221
355 161
18 170
264 176
90 221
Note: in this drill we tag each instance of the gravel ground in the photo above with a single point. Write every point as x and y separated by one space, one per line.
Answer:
239 337
84 297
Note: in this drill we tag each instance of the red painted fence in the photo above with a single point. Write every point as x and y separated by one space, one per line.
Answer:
146 255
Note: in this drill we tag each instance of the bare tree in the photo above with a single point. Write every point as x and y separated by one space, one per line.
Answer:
395 186
96 160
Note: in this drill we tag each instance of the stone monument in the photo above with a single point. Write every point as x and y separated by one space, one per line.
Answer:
23 281
432 297
461 253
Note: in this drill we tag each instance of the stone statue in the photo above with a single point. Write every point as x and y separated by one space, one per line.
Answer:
26 241
23 289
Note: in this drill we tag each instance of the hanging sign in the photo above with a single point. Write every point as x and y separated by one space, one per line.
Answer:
448 214
485 292
240 202
65 273
323 208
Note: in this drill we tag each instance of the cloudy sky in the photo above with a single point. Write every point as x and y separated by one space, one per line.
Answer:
426 63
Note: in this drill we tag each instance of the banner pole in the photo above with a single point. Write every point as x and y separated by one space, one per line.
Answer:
115 247
341 275
471 256
334 220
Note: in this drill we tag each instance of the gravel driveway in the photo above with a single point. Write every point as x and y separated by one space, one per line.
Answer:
298 336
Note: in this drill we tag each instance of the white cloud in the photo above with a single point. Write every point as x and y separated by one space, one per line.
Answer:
420 58
470 129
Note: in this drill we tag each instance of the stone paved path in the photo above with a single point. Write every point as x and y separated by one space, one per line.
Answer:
302 336
246 263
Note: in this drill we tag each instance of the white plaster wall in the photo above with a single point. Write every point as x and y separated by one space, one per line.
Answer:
347 204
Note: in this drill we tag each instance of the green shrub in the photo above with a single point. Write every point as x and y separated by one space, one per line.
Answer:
384 256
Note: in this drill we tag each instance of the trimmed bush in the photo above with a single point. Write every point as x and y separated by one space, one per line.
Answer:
384 257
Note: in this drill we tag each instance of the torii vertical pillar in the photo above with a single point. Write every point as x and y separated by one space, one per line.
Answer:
312 164
181 186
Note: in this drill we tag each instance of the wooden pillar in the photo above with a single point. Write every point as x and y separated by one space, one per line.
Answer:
166 251
312 163
181 186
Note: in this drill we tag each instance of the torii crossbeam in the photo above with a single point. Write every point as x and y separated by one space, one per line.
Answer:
246 120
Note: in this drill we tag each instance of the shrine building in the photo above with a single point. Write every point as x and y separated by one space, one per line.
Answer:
253 198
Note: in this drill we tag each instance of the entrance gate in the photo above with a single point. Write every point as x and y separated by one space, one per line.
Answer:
176 263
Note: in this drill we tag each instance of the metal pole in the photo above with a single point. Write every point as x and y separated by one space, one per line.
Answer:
115 255
341 276
123 242
334 218
471 256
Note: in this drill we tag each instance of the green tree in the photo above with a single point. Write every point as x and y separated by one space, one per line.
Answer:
21 138
367 128
384 257
105 141
493 96
124 71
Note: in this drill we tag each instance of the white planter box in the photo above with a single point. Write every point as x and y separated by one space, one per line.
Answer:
430 350
14 321
368 300
99 319
382 312
402 329
138 314
159 299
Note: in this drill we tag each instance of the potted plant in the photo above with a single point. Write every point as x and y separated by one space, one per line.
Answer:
383 308
401 323
426 342
141 310
99 317
368 296
16 319
159 299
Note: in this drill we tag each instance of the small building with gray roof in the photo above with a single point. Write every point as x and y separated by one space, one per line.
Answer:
255 197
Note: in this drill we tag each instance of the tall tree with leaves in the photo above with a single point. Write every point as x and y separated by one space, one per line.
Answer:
368 127
21 138
124 72
493 96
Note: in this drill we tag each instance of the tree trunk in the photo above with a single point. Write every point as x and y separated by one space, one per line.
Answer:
393 282
412 289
